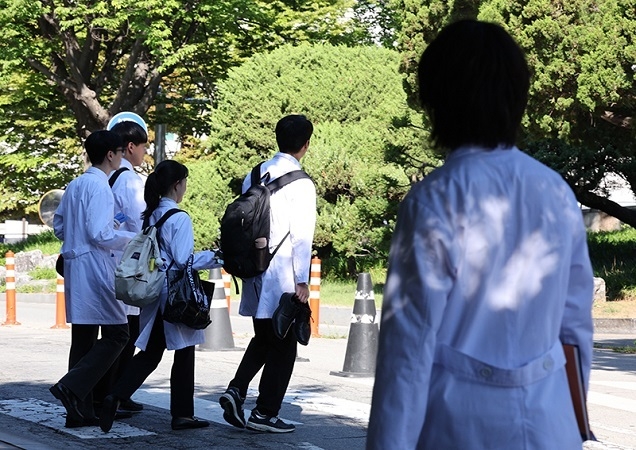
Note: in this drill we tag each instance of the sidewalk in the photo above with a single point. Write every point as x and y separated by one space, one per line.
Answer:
331 410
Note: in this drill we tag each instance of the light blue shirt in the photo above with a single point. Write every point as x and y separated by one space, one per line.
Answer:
176 242
84 222
488 273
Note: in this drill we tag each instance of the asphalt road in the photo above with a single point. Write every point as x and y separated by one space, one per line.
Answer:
330 412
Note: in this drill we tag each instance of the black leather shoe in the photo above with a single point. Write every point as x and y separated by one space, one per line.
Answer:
130 405
302 327
285 314
108 413
185 423
90 422
69 400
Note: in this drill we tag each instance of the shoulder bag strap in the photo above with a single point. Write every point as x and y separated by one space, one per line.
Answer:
114 176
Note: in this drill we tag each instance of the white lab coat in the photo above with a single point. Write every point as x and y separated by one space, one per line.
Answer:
293 209
128 193
84 222
177 244
488 273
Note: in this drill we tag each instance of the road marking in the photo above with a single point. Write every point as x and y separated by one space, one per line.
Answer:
611 401
204 409
629 385
331 405
595 425
51 416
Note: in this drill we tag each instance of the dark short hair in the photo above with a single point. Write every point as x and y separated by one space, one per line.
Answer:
99 143
473 83
292 132
130 132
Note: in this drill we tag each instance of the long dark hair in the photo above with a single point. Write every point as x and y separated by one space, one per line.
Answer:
159 182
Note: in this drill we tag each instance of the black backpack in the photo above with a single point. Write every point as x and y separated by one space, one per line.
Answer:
245 226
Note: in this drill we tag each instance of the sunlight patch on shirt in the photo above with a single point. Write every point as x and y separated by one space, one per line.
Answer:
523 275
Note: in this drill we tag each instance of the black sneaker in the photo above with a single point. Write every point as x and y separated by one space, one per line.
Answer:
232 405
273 424
130 405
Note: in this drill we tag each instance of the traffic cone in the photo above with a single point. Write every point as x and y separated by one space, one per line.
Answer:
60 305
10 289
218 336
362 345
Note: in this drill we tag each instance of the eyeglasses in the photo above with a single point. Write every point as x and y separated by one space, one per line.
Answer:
119 149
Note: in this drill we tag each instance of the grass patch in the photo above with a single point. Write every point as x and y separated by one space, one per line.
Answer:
613 256
629 349
343 293
46 242
41 273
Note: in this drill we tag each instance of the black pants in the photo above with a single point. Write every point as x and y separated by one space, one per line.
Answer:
145 362
276 357
90 358
105 385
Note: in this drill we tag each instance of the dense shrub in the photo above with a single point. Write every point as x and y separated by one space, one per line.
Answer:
364 145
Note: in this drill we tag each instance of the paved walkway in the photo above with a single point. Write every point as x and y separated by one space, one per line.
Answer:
331 411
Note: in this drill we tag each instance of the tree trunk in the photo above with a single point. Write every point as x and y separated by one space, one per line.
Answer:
604 204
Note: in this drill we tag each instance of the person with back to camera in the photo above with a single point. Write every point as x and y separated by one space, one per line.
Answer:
293 210
164 189
488 272
128 192
84 221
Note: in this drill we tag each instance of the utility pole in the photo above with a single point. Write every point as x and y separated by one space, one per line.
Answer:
160 132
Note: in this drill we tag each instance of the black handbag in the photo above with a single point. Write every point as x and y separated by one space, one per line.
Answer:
188 297
59 265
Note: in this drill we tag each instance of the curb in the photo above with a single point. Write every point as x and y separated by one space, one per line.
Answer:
615 326
333 315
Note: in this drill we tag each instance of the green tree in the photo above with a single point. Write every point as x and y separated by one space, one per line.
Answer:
583 91
362 128
66 68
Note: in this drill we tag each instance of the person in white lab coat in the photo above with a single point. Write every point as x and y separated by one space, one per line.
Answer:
128 193
293 210
488 271
165 188
84 221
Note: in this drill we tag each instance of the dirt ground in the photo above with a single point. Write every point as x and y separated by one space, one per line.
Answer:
623 309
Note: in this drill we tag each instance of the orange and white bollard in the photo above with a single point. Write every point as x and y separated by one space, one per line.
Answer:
10 289
314 295
227 285
60 304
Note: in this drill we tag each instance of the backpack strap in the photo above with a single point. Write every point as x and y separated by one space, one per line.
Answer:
115 175
276 185
161 221
286 179
256 178
167 215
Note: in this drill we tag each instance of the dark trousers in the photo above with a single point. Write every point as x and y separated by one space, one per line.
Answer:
146 361
90 358
276 357
104 386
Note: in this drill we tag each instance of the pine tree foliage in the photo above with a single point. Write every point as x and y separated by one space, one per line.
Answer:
582 54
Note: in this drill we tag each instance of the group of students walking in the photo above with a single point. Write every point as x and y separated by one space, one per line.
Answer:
95 221
488 275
